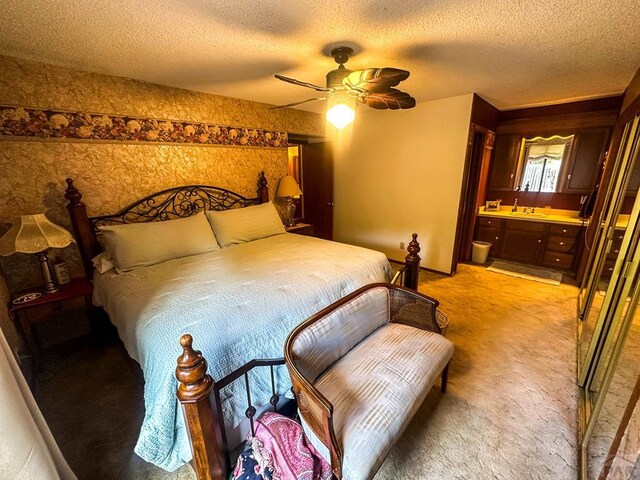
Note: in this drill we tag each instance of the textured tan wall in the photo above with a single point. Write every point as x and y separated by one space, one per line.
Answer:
111 175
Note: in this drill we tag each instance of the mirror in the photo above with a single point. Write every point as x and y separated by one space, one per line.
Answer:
542 161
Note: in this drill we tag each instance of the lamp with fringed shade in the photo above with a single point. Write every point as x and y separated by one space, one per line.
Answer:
36 234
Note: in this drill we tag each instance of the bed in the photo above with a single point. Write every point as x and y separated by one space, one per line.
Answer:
241 302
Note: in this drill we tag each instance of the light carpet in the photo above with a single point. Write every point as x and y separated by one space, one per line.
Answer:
510 411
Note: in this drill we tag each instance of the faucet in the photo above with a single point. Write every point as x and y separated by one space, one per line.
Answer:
515 206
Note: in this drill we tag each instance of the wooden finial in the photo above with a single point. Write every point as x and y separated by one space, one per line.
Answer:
72 193
191 372
412 261
413 248
263 189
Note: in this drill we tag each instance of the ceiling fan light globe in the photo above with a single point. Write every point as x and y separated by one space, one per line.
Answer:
340 115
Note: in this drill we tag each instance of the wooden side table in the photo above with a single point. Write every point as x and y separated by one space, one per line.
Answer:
301 229
77 287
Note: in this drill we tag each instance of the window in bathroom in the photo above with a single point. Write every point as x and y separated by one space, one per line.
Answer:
542 160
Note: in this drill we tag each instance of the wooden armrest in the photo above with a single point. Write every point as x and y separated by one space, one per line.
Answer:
314 408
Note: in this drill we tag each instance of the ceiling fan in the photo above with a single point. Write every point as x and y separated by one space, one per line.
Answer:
371 86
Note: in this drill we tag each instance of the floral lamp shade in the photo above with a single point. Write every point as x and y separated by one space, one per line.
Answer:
33 234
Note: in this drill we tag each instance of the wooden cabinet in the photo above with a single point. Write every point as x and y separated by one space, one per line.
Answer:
522 241
578 175
536 243
505 162
614 251
490 230
585 161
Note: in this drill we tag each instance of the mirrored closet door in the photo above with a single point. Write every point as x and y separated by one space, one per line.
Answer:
608 332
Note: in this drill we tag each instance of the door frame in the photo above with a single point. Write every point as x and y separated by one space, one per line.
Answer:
476 171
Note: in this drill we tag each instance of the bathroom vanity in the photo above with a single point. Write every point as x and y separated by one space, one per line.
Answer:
553 240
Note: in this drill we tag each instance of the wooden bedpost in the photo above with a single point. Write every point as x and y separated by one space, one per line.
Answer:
412 261
263 189
84 233
194 389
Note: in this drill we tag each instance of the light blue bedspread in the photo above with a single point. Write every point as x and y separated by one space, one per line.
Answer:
238 303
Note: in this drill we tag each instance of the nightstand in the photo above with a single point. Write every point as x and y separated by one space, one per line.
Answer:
77 287
301 229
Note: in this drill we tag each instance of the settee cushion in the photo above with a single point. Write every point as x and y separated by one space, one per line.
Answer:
376 389
327 340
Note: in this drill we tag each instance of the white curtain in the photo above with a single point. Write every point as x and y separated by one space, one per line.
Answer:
27 448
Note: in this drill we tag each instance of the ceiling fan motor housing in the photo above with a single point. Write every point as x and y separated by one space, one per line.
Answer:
341 55
334 77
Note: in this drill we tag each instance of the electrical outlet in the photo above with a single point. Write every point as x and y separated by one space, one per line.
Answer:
401 245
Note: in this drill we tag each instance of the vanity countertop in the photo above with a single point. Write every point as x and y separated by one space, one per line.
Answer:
565 217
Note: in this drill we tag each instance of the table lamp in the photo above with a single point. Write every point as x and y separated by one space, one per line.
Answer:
288 187
36 234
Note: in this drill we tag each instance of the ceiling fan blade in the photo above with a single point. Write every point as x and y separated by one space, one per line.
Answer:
298 103
392 99
374 79
303 84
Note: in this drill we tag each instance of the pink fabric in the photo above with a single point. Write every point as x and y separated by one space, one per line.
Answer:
281 445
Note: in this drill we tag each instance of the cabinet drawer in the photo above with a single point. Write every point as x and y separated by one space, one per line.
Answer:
525 226
557 260
607 270
560 244
564 230
616 240
490 222
614 252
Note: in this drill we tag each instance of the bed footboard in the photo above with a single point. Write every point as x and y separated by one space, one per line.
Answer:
407 275
199 395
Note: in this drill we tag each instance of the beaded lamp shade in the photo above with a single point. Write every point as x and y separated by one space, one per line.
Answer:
36 234
33 234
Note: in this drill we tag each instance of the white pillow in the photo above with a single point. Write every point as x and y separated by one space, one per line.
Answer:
135 245
239 225
102 263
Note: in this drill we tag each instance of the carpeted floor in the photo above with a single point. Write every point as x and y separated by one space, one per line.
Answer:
510 411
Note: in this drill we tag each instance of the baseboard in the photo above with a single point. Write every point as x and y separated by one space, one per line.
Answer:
424 269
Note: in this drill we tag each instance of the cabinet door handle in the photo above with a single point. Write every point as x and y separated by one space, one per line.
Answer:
569 177
489 222
561 243
511 176
557 259
564 230
496 238
616 251
539 241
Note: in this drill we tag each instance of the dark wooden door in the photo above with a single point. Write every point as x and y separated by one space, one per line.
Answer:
523 244
505 162
317 181
491 235
585 162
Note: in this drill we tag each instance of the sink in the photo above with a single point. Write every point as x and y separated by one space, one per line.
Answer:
528 215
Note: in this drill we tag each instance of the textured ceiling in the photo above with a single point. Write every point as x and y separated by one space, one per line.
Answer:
512 52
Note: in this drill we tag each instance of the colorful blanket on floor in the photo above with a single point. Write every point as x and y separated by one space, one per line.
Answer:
280 451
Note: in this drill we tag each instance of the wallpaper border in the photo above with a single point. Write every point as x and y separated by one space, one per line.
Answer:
32 123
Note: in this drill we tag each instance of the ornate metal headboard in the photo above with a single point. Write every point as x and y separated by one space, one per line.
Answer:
172 203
